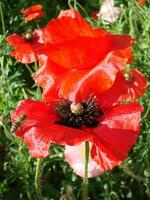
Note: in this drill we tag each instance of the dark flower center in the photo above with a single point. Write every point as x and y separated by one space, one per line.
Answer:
28 36
78 115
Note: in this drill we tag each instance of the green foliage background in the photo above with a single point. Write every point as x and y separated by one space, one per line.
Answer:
129 181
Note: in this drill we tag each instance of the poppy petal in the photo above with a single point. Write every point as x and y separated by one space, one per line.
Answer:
33 12
39 36
49 77
82 82
135 87
112 146
124 116
31 9
37 142
37 114
78 53
68 26
124 90
116 134
25 51
38 128
70 13
74 155
34 15
64 135
85 52
113 95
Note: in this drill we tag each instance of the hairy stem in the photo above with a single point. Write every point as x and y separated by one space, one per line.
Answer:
2 18
85 179
37 179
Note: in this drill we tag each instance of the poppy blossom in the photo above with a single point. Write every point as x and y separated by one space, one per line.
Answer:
111 128
127 87
141 2
109 13
25 46
79 53
33 12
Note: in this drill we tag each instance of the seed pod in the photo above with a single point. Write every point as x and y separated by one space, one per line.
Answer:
77 108
28 36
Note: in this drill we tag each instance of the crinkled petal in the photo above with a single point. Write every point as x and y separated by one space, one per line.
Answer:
74 155
39 36
14 40
123 89
64 135
31 9
116 134
82 82
112 146
78 53
112 96
25 51
68 26
85 52
123 116
112 140
34 15
37 141
37 114
70 13
38 128
135 87
49 77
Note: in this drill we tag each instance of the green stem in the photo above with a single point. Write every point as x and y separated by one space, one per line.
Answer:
29 68
37 179
2 18
132 32
82 8
36 67
37 24
85 179
74 4
69 4
147 112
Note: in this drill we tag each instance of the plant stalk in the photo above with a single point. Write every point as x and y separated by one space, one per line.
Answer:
85 179
37 179
2 18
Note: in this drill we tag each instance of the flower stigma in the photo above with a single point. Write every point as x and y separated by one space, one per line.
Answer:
76 108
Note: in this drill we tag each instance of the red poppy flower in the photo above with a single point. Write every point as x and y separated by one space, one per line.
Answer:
33 12
76 52
142 2
111 128
127 87
26 45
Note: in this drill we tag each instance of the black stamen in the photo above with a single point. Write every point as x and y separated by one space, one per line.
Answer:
85 117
